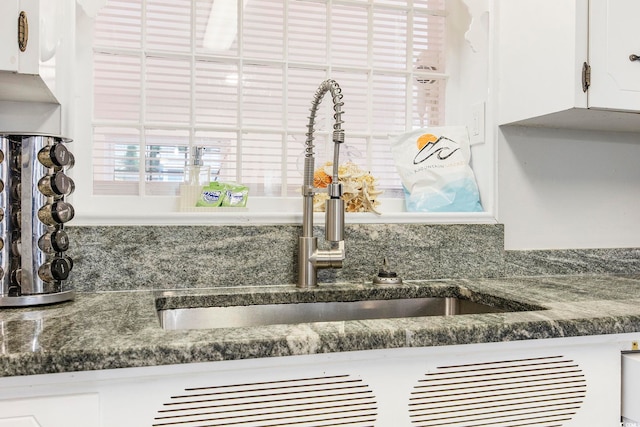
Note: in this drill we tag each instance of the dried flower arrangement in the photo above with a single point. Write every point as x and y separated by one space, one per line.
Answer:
358 187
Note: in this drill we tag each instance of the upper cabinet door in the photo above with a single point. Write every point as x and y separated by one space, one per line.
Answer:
19 36
614 35
9 35
542 45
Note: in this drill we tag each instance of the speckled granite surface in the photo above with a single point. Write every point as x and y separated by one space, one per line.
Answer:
120 273
175 257
121 329
572 261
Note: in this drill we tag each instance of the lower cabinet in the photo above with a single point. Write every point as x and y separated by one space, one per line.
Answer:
631 389
82 410
556 382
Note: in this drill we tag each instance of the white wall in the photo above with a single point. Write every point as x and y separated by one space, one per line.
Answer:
469 66
568 189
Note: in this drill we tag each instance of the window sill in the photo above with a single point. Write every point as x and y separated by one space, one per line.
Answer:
260 211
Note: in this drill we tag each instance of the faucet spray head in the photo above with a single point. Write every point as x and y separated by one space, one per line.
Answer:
334 219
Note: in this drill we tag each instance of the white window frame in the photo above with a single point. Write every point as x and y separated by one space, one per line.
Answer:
119 210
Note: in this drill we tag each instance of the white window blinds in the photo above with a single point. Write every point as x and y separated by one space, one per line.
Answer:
237 77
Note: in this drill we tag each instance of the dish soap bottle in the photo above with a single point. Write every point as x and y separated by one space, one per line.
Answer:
196 177
196 173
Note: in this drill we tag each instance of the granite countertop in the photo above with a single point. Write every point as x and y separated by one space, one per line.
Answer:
121 329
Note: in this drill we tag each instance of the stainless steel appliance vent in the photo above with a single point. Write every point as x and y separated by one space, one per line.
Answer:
540 392
340 400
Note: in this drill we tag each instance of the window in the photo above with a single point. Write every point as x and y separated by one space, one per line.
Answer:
237 77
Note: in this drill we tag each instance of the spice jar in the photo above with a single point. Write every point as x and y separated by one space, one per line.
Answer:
54 241
55 185
54 155
56 213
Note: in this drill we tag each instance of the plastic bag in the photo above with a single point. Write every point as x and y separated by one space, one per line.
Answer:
433 164
220 194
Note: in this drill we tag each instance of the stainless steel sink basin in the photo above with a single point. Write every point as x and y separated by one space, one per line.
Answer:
290 313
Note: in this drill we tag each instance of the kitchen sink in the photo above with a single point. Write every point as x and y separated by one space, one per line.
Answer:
309 312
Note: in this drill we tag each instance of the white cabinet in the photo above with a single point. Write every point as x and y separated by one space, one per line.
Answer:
51 411
573 382
631 387
9 35
40 72
549 50
19 16
36 85
614 36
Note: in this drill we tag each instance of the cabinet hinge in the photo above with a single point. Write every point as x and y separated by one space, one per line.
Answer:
586 76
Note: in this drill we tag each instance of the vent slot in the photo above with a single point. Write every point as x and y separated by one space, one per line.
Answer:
340 400
536 392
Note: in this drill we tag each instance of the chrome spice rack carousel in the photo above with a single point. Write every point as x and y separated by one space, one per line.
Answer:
33 211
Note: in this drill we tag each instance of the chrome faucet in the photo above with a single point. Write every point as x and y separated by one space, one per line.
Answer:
310 258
